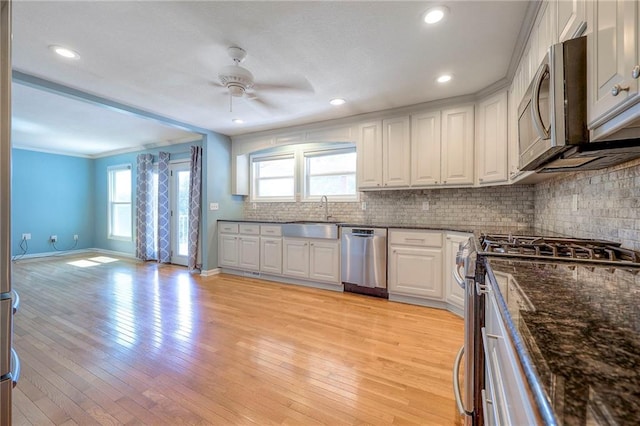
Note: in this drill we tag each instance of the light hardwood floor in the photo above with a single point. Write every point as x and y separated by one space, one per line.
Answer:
140 343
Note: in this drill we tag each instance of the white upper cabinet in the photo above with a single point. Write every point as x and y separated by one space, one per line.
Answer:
369 167
613 61
457 146
544 31
491 139
396 152
425 148
571 16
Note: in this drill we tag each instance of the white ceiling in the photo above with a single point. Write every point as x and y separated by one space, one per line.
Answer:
164 58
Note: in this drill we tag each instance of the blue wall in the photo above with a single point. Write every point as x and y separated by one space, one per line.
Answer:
51 195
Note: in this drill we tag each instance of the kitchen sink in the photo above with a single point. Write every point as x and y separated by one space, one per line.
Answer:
311 229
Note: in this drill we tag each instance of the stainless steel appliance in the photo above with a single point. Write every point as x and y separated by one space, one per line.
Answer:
553 112
552 118
470 273
9 362
364 260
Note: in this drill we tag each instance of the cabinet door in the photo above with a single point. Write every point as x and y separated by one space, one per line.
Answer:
612 53
457 146
416 271
249 252
324 261
545 29
271 255
369 158
491 140
571 17
295 257
396 152
425 149
227 250
454 294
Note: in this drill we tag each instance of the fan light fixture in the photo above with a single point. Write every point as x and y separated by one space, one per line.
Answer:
234 77
64 52
444 78
435 14
337 101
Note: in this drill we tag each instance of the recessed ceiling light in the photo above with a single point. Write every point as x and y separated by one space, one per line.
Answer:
238 120
444 78
337 101
435 14
64 52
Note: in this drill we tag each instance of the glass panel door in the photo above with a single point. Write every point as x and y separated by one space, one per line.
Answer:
179 196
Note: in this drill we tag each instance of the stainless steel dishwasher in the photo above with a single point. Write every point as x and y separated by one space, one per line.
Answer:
364 260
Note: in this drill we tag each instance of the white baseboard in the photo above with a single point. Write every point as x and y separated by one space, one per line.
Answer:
64 253
210 272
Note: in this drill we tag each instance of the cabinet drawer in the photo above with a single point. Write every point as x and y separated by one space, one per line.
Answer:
229 228
415 238
251 229
271 230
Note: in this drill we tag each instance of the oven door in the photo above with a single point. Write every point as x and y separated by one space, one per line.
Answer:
465 397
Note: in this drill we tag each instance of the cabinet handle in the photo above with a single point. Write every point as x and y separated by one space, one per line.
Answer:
615 90
444 181
378 184
635 73
436 182
480 180
311 244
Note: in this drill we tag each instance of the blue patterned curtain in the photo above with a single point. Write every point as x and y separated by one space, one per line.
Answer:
145 241
195 201
164 210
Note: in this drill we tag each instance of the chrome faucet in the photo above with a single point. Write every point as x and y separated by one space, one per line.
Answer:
324 201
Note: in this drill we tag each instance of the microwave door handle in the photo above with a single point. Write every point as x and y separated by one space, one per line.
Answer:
535 102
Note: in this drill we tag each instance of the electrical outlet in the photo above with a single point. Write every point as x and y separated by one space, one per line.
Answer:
425 205
255 206
214 206
363 206
53 238
574 203
26 236
75 237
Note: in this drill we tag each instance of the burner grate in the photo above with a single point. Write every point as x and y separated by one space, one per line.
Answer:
558 248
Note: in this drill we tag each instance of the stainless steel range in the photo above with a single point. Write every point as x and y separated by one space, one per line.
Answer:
470 274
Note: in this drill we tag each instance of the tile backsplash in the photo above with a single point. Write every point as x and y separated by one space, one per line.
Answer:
608 204
511 206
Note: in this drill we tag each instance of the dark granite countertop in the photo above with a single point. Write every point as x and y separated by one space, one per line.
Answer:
576 327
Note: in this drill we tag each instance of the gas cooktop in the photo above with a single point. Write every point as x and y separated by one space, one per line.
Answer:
553 248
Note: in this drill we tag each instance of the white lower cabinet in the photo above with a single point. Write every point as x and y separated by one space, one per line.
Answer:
228 250
249 253
271 255
316 260
454 294
295 257
415 263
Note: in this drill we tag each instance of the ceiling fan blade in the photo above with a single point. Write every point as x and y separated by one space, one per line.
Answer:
296 84
259 105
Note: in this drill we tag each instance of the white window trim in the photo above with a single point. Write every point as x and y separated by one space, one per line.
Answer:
304 185
110 235
267 157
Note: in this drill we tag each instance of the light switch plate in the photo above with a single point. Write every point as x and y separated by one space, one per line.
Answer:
363 206
425 205
214 206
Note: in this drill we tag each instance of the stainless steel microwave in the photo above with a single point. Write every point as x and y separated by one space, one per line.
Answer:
552 116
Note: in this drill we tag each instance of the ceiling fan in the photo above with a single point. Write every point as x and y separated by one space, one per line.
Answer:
239 81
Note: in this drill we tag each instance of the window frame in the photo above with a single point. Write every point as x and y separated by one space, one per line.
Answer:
111 203
305 176
253 159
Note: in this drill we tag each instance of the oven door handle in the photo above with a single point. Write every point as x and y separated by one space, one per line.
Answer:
535 102
456 383
457 276
16 300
